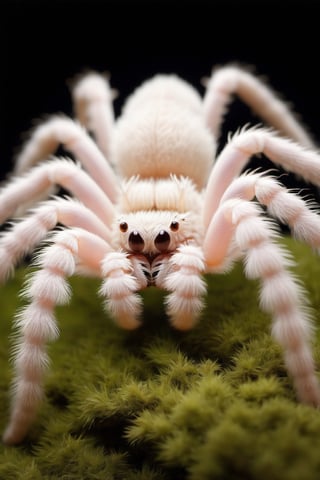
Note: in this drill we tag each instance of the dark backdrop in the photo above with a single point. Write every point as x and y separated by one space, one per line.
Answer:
45 43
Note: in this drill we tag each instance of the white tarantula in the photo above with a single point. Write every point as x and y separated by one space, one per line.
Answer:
161 213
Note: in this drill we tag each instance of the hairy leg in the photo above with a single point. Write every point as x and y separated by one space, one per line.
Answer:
299 215
119 287
36 323
26 234
181 276
92 98
45 140
231 79
25 190
239 150
281 294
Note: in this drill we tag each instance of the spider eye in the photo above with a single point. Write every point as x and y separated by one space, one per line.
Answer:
123 227
136 242
174 226
162 241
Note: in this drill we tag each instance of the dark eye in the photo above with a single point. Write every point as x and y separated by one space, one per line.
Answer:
123 227
174 226
136 242
162 241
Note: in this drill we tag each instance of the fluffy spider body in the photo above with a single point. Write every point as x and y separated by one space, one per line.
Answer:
149 206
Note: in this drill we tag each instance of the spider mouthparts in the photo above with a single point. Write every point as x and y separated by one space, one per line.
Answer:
150 266
151 277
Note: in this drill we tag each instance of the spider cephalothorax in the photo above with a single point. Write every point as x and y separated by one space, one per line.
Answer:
150 205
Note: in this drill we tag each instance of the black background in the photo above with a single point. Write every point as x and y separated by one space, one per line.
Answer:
43 44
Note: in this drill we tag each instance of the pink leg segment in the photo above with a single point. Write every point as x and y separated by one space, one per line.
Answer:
25 189
25 235
92 97
288 208
185 303
60 130
281 295
229 80
282 204
239 150
37 324
119 287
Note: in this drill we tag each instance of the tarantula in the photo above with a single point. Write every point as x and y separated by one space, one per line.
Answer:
149 204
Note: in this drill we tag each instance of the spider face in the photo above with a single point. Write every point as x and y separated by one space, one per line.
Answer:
153 233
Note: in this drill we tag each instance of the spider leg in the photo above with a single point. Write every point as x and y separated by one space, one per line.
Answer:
240 221
284 205
36 323
237 153
63 131
26 234
92 98
119 287
181 275
26 189
231 79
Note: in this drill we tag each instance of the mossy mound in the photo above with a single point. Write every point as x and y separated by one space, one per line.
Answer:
156 404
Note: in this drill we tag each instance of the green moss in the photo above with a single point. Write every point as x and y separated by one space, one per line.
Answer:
156 404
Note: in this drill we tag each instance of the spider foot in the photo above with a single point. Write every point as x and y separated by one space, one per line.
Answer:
28 395
308 390
184 312
125 311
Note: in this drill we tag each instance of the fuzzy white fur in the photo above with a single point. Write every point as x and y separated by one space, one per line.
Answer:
168 134
158 212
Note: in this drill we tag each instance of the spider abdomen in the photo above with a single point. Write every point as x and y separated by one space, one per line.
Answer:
160 134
